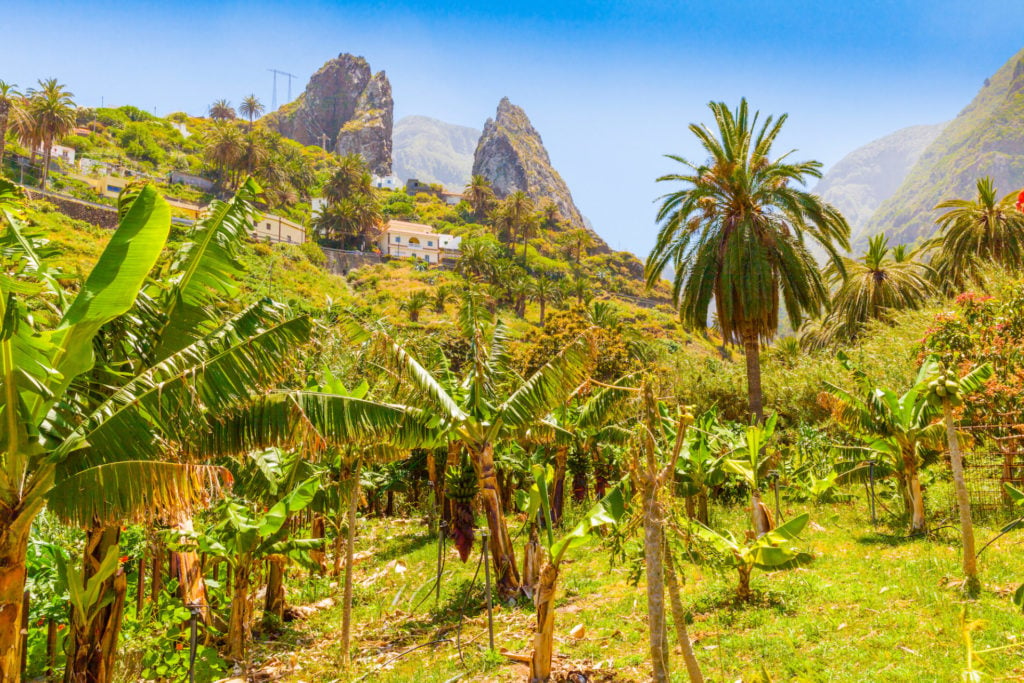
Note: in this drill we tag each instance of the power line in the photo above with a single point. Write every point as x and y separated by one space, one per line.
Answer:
273 103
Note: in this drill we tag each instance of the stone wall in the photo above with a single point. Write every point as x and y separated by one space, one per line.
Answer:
341 262
97 214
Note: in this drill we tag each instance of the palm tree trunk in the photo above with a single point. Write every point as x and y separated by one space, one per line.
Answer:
92 646
752 351
544 637
47 150
502 552
963 500
5 111
541 301
14 534
679 617
350 548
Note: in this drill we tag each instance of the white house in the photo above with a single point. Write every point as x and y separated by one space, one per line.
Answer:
191 180
317 206
59 153
273 228
388 182
402 239
450 246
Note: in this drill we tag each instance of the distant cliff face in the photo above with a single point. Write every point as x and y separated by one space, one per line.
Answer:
345 108
512 157
986 138
434 151
869 175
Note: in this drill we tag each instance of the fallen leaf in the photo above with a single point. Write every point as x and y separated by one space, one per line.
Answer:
577 631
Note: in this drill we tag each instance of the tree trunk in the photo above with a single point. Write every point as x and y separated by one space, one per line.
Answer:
47 145
542 306
5 110
51 649
759 514
544 637
752 350
350 551
503 554
653 554
963 501
743 589
918 523
558 493
274 600
241 610
13 546
156 582
318 529
702 507
579 487
92 645
140 587
679 617
184 566
531 562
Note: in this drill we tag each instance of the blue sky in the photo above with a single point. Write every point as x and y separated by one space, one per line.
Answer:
610 86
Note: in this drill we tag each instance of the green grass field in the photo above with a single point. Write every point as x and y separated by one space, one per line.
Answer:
872 606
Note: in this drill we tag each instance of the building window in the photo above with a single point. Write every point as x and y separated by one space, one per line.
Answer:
430 243
397 239
289 238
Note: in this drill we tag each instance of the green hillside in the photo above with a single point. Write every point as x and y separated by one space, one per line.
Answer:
986 138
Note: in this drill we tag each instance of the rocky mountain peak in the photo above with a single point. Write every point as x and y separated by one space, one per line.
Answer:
511 155
345 108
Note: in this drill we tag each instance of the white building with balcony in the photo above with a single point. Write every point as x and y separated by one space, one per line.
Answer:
402 239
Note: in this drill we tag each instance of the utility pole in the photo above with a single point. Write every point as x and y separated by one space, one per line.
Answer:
273 100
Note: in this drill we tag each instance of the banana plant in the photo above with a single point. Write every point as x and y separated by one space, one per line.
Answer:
1016 497
946 391
242 538
751 463
777 549
606 512
702 462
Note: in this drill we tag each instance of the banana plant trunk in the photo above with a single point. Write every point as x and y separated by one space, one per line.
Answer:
274 600
502 552
92 647
14 531
187 569
743 588
350 547
318 529
544 636
531 562
918 523
679 617
558 496
963 500
239 623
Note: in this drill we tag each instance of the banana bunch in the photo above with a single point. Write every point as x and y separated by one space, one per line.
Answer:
945 387
460 481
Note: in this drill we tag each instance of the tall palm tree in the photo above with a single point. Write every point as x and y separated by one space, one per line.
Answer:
53 114
480 195
549 216
976 232
737 232
9 98
24 126
251 108
544 289
579 241
351 176
221 110
879 283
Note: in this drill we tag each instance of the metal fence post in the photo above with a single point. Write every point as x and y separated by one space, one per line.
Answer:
487 581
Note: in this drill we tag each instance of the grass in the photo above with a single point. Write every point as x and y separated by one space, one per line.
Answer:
872 606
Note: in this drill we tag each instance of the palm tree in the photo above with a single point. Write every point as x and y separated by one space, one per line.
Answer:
974 233
441 296
24 126
221 110
53 114
251 108
737 232
224 147
549 217
351 176
542 290
480 195
416 302
9 98
878 284
579 241
528 228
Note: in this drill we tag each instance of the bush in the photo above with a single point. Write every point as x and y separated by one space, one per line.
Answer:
313 253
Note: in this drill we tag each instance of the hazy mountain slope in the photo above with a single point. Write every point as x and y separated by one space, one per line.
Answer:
986 138
434 151
859 182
